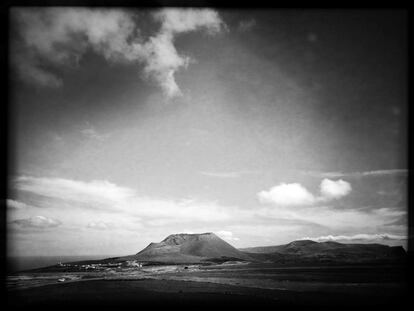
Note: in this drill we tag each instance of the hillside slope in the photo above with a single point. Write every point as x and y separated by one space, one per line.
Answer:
189 248
307 251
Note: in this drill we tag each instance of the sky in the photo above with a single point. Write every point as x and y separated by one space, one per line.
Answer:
263 126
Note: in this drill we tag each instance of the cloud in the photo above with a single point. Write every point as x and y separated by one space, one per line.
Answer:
390 212
55 37
294 202
295 194
67 189
100 225
384 172
235 174
161 57
358 237
331 189
30 72
66 198
105 196
16 204
160 212
246 25
349 219
374 173
37 222
287 194
221 174
227 235
102 209
59 36
91 133
185 20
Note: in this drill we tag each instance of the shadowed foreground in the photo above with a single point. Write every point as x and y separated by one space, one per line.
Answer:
162 293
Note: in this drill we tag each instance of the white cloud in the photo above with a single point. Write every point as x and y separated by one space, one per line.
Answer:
60 36
162 62
161 57
389 212
108 197
295 194
384 172
358 237
287 194
67 189
227 235
161 212
93 208
331 189
296 203
185 20
38 222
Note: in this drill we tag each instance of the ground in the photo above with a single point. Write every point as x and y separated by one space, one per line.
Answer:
215 285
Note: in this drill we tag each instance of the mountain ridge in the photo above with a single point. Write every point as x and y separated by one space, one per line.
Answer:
189 247
312 252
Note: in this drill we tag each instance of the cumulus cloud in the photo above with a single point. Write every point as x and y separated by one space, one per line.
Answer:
60 36
295 194
331 189
287 194
358 237
37 222
295 202
184 20
161 57
227 235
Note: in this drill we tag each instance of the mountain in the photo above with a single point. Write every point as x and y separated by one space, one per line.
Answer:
188 248
308 251
209 248
195 248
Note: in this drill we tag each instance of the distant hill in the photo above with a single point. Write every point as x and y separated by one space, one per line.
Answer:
183 248
308 251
